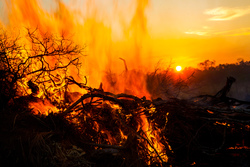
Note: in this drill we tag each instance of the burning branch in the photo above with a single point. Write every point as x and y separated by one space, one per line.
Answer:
125 64
45 61
138 105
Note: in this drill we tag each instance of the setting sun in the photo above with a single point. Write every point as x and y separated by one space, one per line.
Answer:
178 68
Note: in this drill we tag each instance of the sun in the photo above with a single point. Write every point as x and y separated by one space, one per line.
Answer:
178 68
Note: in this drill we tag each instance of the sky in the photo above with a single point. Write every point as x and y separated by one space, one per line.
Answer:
202 29
185 32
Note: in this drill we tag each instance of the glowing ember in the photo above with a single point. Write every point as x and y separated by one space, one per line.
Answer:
43 107
239 148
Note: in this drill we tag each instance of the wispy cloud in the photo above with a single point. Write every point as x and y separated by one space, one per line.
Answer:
200 33
236 32
223 13
212 32
204 31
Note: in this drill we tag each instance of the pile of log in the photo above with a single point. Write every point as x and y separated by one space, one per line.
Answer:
99 129
105 129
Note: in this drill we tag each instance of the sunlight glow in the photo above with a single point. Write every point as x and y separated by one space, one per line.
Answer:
178 68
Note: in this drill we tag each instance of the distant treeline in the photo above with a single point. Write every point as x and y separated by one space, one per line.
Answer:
208 79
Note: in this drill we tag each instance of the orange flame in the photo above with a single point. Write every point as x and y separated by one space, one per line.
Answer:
153 137
43 107
118 62
102 63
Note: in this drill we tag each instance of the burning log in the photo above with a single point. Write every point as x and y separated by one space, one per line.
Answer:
121 100
104 129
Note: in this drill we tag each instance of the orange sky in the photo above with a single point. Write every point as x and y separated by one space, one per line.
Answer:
183 32
186 32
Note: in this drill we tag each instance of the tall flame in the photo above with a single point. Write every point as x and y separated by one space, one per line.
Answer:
119 63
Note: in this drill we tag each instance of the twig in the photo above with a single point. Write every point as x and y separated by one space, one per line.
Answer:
126 68
90 95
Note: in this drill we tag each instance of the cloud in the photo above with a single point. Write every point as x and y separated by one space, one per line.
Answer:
223 13
209 31
201 32
235 32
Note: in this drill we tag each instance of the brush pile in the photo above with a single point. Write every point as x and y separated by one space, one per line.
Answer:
104 129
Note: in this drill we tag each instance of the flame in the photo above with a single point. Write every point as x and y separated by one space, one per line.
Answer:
153 137
43 107
238 148
222 123
117 61
102 63
210 112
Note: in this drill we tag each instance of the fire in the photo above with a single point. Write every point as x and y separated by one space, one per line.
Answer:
43 107
119 65
153 137
102 63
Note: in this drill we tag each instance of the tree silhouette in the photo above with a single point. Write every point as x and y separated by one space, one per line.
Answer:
206 64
